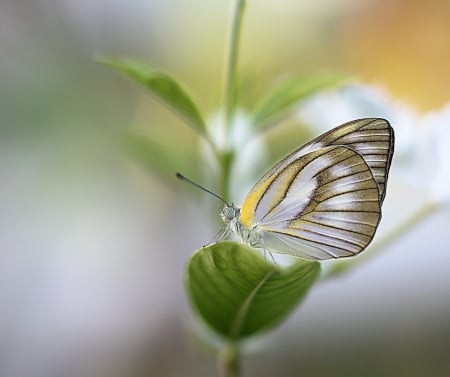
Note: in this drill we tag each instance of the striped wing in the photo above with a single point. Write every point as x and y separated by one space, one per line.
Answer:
372 138
324 204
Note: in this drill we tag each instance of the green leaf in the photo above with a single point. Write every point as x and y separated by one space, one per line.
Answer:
163 87
283 98
238 293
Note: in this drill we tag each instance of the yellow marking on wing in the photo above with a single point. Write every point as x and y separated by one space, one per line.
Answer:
250 203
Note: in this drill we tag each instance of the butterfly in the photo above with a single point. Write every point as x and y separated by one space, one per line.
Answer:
321 201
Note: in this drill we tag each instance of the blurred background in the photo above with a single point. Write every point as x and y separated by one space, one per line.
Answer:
93 244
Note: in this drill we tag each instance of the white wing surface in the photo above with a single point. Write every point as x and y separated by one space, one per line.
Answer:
322 204
372 138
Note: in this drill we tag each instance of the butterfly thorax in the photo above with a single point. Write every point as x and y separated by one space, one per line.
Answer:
231 216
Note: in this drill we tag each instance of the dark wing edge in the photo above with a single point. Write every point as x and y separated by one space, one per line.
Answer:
372 138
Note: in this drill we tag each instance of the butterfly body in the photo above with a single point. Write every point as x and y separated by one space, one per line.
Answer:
324 199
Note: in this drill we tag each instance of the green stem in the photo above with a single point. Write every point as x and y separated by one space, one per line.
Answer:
421 214
225 157
231 76
229 360
226 162
229 356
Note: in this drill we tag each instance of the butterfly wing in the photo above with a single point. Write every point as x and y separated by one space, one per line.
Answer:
372 138
322 204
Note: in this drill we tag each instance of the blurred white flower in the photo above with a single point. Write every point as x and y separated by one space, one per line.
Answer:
249 152
422 147
433 155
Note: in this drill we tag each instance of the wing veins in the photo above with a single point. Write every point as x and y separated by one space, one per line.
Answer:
344 210
351 166
332 237
288 187
333 227
319 246
347 183
356 200
345 220
315 242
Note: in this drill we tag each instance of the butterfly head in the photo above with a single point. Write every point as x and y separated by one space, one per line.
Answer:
230 213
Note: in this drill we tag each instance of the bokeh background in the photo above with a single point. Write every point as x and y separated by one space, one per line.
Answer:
93 244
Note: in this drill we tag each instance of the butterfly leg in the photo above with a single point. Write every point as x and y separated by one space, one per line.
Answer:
221 235
273 259
261 244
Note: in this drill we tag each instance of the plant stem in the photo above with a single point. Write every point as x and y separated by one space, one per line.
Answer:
226 164
230 86
229 356
421 214
226 156
229 360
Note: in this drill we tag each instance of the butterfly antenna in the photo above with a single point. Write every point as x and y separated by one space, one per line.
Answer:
183 178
